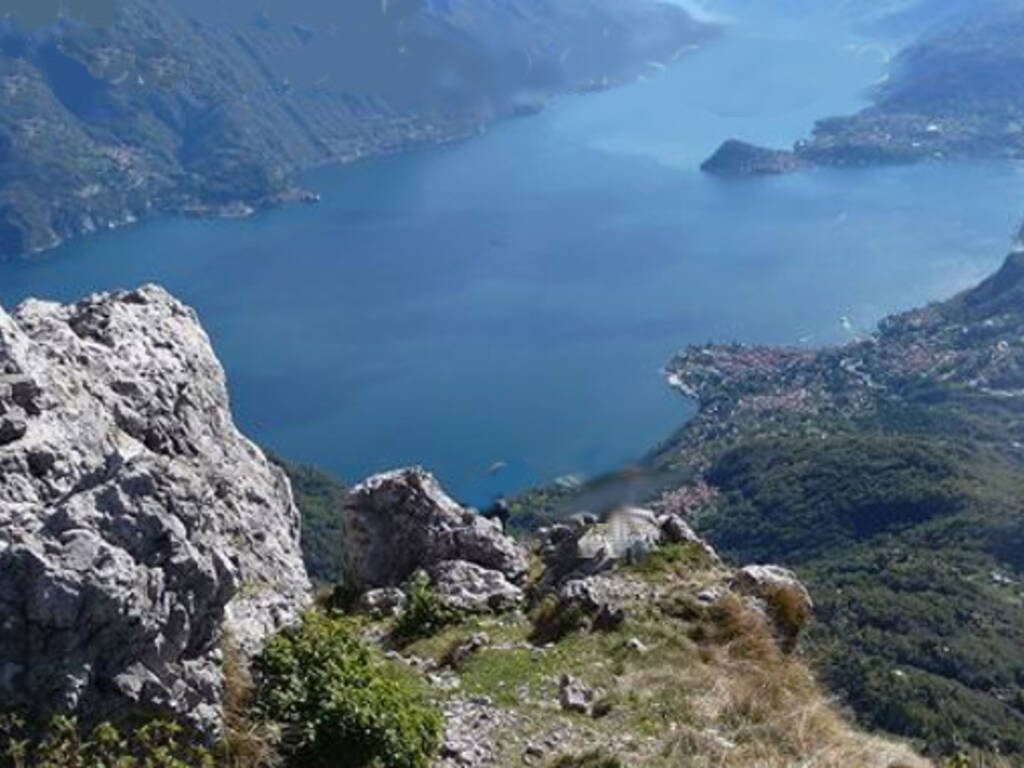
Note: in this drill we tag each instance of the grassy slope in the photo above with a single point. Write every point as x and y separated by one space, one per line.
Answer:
712 688
904 545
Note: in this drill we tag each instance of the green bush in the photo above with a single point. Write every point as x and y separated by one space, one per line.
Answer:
426 615
554 619
158 744
339 704
678 559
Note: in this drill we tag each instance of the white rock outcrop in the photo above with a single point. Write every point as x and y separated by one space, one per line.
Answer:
136 523
399 522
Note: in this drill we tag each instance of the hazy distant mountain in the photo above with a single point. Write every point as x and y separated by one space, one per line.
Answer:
895 18
958 91
183 105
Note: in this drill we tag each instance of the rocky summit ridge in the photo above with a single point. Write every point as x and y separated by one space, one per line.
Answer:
138 528
626 640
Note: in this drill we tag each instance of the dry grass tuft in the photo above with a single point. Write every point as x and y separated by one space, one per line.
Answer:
245 744
764 708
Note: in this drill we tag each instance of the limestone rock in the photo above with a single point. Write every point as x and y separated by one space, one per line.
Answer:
636 645
633 533
135 520
470 588
383 602
475 730
574 696
676 530
401 521
590 594
572 552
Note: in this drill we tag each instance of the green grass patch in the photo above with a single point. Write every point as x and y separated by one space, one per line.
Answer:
672 559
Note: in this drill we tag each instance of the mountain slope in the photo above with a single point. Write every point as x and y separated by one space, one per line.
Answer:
884 18
888 473
182 106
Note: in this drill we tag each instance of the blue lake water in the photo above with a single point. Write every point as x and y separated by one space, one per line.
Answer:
512 298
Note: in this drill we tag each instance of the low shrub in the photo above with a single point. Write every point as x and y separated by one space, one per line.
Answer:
245 742
553 619
64 744
339 704
426 615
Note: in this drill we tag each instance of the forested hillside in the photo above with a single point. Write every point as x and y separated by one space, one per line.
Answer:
210 108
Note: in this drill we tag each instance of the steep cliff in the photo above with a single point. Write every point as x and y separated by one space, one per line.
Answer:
139 530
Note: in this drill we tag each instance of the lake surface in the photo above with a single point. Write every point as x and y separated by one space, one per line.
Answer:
512 298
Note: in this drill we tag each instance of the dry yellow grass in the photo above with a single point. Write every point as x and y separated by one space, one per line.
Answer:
245 744
749 705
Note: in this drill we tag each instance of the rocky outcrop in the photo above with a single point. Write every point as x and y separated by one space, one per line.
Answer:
574 696
402 521
582 547
470 588
137 524
383 602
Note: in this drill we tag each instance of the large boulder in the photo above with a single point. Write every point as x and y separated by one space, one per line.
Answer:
399 522
138 528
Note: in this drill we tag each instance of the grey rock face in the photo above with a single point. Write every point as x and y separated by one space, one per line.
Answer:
573 551
633 533
136 522
399 522
469 588
677 531
474 730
